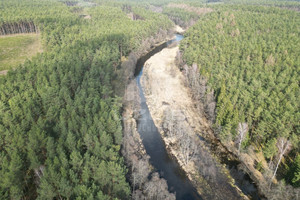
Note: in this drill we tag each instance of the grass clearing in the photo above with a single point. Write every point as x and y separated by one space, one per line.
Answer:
15 49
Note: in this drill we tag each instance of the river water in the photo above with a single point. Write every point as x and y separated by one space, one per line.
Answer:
167 167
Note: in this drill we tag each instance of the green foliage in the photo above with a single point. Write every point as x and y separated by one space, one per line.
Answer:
60 125
31 10
296 179
15 49
259 167
250 56
270 149
289 4
292 175
180 14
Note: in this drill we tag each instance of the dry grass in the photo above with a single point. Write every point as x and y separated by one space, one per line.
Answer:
165 89
16 48
4 72
134 16
178 29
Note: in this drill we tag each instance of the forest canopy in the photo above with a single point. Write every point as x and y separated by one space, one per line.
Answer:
59 114
250 57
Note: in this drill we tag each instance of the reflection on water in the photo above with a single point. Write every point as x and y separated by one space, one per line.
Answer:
167 166
155 147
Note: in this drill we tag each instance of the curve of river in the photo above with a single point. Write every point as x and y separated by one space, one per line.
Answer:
168 167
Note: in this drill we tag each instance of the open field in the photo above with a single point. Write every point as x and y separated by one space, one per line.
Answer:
15 49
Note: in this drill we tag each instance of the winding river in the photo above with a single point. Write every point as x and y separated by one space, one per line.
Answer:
166 165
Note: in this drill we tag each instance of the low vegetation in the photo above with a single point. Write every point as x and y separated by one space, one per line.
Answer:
137 160
15 49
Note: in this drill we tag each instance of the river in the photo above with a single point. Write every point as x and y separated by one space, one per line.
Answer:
166 165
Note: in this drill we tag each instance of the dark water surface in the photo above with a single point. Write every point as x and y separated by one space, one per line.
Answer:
167 167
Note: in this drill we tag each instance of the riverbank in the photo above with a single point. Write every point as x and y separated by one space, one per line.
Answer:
145 182
166 93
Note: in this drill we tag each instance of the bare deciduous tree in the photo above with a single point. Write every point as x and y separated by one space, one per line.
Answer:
283 145
134 153
201 91
242 132
210 104
168 123
143 169
157 188
188 148
39 173
138 194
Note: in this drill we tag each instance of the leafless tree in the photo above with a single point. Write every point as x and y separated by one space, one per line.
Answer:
283 145
39 173
173 123
242 132
188 148
142 171
138 195
202 88
280 191
136 158
157 188
201 92
194 76
206 165
168 123
179 60
210 104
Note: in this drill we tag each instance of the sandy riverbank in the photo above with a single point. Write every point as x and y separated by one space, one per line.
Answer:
165 90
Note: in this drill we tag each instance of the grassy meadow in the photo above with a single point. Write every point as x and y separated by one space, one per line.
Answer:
15 49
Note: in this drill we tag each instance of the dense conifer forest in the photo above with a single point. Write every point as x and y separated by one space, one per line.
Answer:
61 130
60 116
249 57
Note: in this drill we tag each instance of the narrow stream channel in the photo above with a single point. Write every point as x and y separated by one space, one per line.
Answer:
168 167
